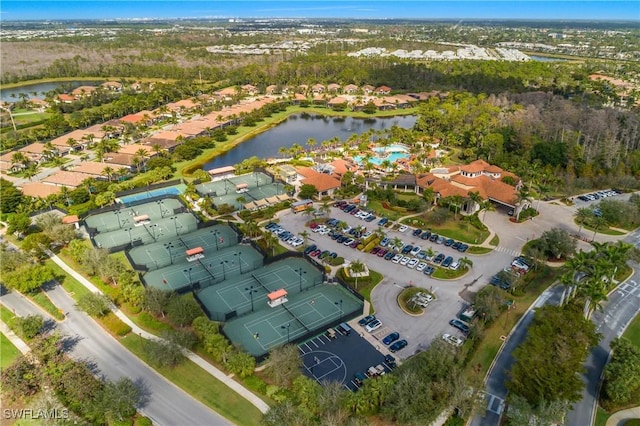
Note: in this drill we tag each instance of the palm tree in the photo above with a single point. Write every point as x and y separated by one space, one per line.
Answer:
31 171
305 235
311 142
19 158
476 198
396 243
429 196
271 241
309 211
465 262
356 267
543 191
582 215
487 206
598 222
108 172
456 201
325 208
522 198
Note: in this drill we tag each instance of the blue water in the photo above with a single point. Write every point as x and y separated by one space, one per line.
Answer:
299 128
174 190
395 153
39 90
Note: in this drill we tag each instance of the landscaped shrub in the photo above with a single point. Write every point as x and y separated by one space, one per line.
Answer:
337 261
115 325
256 384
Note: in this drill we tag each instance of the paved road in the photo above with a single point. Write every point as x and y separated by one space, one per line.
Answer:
497 376
165 403
623 305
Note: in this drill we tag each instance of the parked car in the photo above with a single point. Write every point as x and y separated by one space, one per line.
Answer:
440 240
425 235
463 247
416 232
373 325
385 242
403 228
382 252
309 249
390 361
390 255
415 250
433 238
447 262
412 263
449 242
428 270
390 338
406 249
400 344
405 260
439 258
455 265
421 266
383 221
452 340
460 325
366 320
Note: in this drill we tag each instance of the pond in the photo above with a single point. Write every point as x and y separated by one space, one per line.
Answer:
298 128
40 89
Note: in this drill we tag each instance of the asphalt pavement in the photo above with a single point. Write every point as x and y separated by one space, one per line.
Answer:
164 404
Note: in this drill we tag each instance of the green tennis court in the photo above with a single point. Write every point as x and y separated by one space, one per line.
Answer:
154 255
258 186
304 315
158 229
123 217
235 295
226 264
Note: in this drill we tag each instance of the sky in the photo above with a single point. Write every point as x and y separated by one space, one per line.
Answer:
11 10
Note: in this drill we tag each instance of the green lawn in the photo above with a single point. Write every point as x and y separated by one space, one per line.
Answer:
203 387
601 417
380 211
454 228
479 250
491 342
41 299
8 352
633 331
448 274
73 286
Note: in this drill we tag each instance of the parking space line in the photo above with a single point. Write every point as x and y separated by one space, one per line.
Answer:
314 343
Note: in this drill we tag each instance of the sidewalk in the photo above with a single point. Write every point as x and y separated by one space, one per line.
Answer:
619 418
237 387
14 339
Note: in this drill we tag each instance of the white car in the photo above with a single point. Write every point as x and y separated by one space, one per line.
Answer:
320 228
297 242
412 263
452 340
373 325
455 265
367 234
403 228
421 266
397 258
325 231
405 260
416 250
349 242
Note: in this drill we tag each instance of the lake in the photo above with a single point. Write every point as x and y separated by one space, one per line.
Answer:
41 89
539 58
298 128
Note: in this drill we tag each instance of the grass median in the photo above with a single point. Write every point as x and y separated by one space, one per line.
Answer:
202 386
491 342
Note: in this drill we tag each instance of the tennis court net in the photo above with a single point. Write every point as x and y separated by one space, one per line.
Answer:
261 283
295 317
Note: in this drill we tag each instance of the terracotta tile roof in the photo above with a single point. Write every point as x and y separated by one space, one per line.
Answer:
112 85
95 168
66 178
227 91
83 90
383 89
118 158
340 166
34 148
183 104
133 148
63 97
300 97
321 181
333 86
475 166
349 88
337 101
70 219
39 190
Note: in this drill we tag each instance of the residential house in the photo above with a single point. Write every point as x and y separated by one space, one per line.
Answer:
114 86
82 91
38 189
382 90
368 89
298 98
38 104
350 89
318 88
64 98
271 89
67 178
249 89
333 88
96 169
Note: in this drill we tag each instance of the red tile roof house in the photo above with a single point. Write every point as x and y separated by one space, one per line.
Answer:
115 86
83 91
68 179
37 151
333 88
64 98
350 89
96 169
324 183
382 90
39 190
318 88
368 89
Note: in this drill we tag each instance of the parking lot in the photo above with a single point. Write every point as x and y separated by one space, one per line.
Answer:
419 331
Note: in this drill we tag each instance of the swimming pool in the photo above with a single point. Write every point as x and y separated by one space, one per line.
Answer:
394 153
173 190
